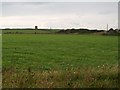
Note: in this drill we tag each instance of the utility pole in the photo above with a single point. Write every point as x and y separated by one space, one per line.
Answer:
107 27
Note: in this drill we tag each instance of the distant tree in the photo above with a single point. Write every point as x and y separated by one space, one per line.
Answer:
111 29
116 30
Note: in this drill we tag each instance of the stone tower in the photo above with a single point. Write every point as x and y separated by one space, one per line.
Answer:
36 27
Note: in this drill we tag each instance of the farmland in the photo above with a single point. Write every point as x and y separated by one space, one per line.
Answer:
59 60
29 31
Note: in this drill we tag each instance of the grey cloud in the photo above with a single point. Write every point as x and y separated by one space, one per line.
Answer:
83 13
38 8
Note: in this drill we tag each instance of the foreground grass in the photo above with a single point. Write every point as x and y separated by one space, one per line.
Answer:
59 61
99 77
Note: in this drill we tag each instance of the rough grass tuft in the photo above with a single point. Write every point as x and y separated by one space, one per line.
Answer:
102 76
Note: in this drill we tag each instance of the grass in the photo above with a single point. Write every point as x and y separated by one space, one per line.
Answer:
59 56
100 77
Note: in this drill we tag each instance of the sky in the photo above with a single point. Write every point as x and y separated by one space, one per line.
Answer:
63 15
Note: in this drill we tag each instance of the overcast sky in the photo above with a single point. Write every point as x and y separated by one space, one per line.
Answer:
92 15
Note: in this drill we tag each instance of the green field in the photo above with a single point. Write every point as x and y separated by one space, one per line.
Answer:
55 52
